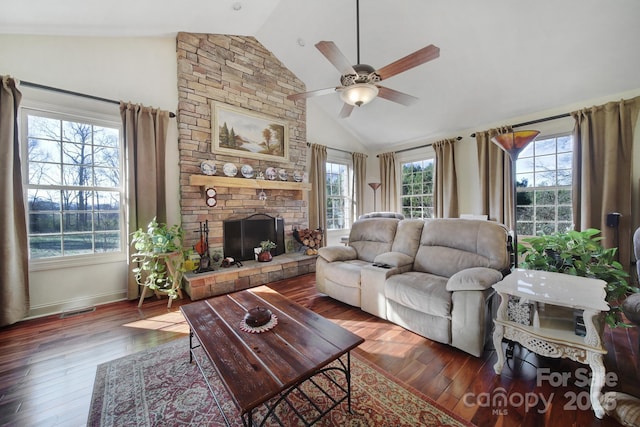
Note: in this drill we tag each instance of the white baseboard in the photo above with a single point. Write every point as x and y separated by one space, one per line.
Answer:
71 305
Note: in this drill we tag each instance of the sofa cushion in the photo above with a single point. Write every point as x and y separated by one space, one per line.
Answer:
337 253
394 259
450 245
422 292
473 279
373 236
346 273
408 235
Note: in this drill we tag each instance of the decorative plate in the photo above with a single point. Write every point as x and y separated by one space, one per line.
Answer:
271 174
230 169
208 168
283 174
257 330
297 176
246 171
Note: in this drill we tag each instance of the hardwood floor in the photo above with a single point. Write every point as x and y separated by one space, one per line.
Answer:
47 365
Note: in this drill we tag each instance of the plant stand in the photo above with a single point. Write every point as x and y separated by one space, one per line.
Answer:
172 260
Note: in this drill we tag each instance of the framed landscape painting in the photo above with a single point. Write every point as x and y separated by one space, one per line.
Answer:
244 133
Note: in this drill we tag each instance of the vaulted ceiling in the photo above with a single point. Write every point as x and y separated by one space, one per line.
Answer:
499 59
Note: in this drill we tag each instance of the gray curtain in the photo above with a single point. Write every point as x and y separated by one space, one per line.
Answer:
496 188
359 183
445 191
602 155
14 255
145 134
388 179
318 193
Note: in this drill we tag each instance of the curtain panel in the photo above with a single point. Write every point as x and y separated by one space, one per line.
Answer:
318 193
496 188
359 183
388 179
602 156
14 255
145 139
445 190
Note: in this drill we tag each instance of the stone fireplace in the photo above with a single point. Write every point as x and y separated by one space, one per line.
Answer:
237 71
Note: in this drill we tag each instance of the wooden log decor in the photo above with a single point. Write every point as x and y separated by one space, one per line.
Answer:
312 239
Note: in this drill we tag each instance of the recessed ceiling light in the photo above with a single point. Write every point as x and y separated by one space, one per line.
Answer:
237 6
301 42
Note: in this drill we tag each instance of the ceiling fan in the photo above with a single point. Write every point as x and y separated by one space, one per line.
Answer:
359 83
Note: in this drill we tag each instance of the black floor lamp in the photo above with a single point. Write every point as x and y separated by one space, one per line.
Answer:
513 143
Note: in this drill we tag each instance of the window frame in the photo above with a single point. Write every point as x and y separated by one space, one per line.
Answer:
555 188
425 154
347 198
96 115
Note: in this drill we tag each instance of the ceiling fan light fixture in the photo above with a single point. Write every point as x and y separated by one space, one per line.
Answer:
359 94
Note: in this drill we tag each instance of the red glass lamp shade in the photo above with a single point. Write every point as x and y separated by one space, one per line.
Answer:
514 142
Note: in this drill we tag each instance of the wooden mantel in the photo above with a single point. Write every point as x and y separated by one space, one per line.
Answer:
259 184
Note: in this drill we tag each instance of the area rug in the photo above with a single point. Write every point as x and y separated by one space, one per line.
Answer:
159 387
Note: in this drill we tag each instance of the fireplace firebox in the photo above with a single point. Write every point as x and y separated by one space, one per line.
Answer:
241 236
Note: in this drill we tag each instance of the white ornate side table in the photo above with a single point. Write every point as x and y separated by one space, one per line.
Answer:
554 297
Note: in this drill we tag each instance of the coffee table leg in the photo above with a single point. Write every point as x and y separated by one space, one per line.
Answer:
190 346
348 375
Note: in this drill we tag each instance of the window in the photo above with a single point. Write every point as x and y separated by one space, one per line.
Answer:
543 184
417 189
338 200
74 192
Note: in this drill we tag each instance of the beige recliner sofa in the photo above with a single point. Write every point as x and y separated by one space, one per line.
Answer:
433 277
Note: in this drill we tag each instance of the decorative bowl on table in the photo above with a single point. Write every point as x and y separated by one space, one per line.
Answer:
257 316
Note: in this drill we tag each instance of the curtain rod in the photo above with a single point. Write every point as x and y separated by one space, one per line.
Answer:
69 92
533 122
458 138
334 149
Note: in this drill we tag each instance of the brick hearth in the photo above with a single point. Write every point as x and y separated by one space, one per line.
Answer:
252 273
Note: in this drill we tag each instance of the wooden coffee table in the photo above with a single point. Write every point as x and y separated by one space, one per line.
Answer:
259 368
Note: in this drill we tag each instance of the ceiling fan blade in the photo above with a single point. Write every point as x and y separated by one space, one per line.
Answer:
346 111
333 54
304 95
395 96
412 60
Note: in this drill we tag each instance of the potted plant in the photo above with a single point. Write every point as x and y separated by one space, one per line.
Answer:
580 253
265 251
154 247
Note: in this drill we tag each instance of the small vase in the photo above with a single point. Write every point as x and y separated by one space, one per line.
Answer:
265 256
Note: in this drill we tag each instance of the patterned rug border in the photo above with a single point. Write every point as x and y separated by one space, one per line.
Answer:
410 388
97 403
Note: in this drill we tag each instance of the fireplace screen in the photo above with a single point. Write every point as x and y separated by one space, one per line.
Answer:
241 236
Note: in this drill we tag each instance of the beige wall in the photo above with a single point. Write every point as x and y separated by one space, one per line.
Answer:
140 70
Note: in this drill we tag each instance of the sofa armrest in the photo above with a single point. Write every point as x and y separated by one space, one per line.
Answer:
338 253
394 259
473 279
